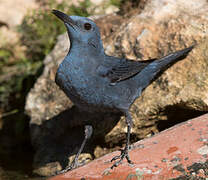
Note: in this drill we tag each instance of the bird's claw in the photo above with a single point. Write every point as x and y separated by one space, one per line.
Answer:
68 168
124 154
73 165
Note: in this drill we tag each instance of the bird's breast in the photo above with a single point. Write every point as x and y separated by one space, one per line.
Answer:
81 86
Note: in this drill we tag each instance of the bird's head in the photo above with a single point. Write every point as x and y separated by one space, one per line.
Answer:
81 30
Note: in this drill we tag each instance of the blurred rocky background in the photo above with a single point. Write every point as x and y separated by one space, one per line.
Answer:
38 135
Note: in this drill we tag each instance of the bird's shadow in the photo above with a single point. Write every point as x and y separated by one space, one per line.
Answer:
60 137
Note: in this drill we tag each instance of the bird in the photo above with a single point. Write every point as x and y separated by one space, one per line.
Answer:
97 82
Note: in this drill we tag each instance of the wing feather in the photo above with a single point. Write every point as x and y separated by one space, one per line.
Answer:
126 69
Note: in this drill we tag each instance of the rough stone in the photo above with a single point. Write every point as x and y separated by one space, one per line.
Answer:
180 93
158 157
13 15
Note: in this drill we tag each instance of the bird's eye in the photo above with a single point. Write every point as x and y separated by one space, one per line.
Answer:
87 26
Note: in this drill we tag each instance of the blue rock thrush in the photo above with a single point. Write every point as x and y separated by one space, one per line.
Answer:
96 82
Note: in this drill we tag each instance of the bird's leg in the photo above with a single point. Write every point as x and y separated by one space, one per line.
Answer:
74 164
125 151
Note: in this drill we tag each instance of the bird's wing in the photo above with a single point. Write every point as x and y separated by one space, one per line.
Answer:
125 69
121 69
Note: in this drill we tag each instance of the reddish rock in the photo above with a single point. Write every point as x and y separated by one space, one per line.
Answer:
180 151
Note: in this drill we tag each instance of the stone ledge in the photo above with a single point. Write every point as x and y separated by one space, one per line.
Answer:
180 151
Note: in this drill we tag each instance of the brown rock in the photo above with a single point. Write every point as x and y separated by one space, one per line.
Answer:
11 15
163 27
179 94
12 12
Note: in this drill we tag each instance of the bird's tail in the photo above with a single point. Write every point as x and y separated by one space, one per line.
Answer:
174 57
154 69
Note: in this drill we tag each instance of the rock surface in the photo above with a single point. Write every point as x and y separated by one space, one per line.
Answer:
11 16
158 157
179 94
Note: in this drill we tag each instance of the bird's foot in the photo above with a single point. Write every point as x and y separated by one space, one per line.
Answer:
68 168
124 154
73 165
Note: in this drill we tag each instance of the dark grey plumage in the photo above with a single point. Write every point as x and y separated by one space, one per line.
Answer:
97 82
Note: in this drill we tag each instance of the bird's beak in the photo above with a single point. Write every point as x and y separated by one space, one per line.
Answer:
65 18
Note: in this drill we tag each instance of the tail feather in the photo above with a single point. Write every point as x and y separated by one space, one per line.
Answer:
154 69
178 55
